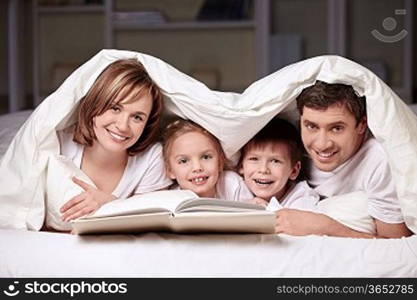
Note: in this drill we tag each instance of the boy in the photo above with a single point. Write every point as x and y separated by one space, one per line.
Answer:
270 164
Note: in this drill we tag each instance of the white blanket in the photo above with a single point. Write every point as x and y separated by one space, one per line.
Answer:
203 255
233 118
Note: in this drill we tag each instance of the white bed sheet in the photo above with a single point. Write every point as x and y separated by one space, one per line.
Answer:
46 254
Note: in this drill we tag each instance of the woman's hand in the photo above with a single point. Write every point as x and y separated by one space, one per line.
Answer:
259 201
85 203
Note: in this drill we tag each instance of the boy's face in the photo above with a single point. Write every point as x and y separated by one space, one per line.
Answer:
194 162
331 136
267 169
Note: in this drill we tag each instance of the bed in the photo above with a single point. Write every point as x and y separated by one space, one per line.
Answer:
27 252
54 254
46 254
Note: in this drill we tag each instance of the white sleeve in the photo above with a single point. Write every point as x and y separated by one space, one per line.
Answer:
154 177
383 202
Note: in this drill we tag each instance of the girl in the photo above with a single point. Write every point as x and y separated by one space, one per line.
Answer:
113 139
195 159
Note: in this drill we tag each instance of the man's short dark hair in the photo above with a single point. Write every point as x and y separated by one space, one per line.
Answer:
321 95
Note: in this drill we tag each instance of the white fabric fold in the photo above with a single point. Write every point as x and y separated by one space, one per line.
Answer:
232 118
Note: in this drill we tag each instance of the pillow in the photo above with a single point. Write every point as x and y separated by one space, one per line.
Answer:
60 188
349 209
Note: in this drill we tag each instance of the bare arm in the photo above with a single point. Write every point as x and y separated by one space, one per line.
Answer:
298 222
386 230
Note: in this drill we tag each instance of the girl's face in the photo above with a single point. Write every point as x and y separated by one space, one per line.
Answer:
194 162
120 127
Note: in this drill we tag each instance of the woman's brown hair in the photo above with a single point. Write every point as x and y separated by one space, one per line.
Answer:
122 79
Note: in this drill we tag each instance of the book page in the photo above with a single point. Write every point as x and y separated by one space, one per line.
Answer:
254 221
212 204
161 201
128 223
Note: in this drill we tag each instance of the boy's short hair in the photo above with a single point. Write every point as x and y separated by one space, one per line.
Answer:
180 127
277 131
321 95
123 79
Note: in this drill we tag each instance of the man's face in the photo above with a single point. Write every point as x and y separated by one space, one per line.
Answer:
331 136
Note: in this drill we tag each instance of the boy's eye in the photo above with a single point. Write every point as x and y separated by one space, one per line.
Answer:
275 161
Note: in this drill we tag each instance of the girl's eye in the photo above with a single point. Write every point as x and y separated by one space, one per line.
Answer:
207 156
182 161
253 158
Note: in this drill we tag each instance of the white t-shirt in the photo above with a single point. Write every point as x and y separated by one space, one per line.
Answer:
230 186
144 172
301 196
367 171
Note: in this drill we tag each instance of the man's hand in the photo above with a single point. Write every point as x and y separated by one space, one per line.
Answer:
85 203
299 222
386 230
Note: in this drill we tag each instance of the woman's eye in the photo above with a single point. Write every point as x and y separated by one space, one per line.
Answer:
138 118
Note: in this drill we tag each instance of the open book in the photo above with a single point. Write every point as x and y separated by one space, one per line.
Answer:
176 211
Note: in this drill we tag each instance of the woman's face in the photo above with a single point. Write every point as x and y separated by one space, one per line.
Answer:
121 126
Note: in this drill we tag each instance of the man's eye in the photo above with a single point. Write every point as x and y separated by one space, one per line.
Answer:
310 126
337 128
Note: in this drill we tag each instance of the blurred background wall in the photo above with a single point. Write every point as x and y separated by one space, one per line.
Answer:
227 44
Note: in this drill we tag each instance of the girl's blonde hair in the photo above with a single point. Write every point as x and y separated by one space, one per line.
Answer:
122 79
180 127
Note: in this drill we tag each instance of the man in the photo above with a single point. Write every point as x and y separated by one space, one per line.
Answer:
344 159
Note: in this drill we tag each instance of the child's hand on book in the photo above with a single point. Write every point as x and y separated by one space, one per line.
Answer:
259 201
85 203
